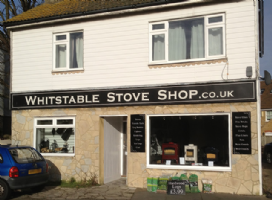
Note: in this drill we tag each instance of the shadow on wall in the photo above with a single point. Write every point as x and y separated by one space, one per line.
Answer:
54 173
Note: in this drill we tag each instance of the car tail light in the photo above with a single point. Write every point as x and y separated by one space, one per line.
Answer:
46 168
13 172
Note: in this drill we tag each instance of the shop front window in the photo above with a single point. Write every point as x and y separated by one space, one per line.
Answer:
55 136
189 141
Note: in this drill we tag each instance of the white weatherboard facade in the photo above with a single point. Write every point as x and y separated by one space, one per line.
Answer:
117 58
116 51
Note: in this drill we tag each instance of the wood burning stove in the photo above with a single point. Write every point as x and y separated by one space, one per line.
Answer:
170 151
190 154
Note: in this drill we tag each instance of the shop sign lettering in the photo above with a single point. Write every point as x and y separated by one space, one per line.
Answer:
176 187
137 138
220 92
241 130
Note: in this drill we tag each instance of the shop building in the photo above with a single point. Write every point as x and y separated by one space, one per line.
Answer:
140 89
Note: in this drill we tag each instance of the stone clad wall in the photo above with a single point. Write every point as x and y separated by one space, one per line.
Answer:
86 161
243 179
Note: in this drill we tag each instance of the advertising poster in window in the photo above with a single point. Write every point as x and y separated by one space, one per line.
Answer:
137 130
241 130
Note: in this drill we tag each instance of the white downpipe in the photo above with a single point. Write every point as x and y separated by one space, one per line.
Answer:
258 95
259 134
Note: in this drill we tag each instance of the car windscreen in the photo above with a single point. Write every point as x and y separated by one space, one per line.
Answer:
25 155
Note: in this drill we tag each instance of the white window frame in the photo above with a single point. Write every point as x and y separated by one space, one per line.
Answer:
207 26
266 115
54 125
214 25
67 43
193 168
159 32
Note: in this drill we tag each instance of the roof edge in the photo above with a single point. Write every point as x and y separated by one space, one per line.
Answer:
104 12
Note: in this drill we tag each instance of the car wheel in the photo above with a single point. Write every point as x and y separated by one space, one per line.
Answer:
4 190
268 158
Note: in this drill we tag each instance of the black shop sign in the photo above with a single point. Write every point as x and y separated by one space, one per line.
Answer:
137 131
176 187
182 94
241 132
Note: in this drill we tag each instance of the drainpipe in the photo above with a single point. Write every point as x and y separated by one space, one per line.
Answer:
258 95
259 131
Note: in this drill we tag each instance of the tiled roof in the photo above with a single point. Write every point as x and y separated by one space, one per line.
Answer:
72 7
266 97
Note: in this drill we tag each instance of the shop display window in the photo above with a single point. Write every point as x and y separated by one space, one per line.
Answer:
55 136
198 141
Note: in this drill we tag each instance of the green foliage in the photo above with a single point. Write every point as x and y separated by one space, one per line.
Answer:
72 183
72 180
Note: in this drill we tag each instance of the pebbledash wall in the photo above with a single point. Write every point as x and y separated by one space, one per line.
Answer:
242 179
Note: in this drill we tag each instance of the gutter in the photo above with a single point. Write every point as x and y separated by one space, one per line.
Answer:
102 13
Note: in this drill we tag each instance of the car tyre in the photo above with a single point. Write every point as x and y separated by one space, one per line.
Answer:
4 190
268 158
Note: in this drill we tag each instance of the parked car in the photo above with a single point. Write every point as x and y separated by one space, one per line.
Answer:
268 152
21 167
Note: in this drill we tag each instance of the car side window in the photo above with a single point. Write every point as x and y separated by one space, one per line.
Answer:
1 159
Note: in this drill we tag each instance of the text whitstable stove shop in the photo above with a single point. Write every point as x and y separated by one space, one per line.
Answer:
212 93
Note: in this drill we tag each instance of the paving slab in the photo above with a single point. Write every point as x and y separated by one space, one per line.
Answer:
117 190
142 194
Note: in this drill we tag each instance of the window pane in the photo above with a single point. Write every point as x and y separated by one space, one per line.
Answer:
60 37
215 19
76 50
55 140
215 41
60 56
158 47
268 115
186 39
25 155
190 137
157 26
44 122
64 121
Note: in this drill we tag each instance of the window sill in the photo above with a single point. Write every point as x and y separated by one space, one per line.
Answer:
58 154
61 72
193 168
184 64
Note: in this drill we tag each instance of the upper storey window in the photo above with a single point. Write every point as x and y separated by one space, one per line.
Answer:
187 39
68 51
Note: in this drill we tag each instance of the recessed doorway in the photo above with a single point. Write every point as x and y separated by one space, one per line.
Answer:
115 162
